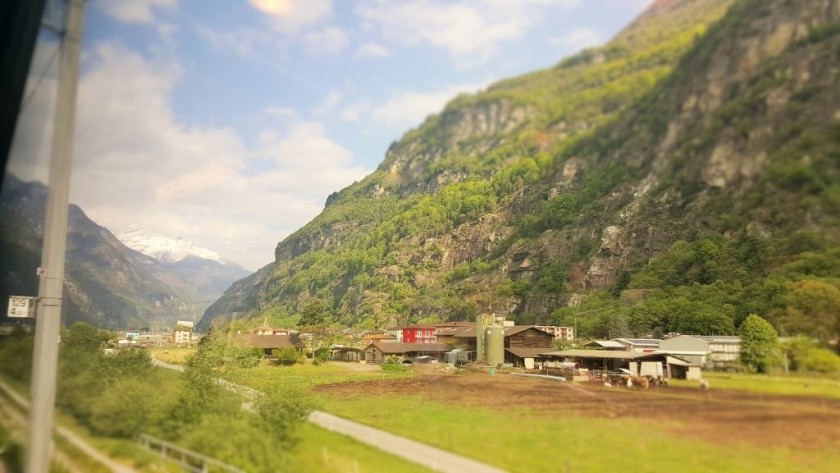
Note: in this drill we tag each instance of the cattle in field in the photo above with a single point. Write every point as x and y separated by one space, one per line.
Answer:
640 381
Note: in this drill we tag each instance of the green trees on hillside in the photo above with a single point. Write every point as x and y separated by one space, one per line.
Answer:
759 343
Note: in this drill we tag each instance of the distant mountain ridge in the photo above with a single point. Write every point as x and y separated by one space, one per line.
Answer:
164 248
106 282
204 269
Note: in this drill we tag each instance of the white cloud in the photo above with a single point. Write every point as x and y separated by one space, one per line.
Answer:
135 162
465 29
371 49
331 40
579 38
244 42
406 109
291 16
134 11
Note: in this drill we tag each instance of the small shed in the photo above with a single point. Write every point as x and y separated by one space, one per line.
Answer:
459 356
681 369
342 353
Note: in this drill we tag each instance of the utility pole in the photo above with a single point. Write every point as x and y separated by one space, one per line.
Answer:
51 272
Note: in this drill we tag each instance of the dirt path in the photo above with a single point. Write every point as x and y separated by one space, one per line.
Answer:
71 437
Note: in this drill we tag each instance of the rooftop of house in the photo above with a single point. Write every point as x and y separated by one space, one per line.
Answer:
401 348
526 352
639 342
602 354
719 338
605 344
469 332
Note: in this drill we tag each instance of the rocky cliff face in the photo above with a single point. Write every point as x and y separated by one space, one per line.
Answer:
704 119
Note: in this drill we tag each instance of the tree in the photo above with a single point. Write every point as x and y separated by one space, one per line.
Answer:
814 310
313 314
759 343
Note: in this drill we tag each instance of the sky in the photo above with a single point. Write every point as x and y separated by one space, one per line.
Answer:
228 123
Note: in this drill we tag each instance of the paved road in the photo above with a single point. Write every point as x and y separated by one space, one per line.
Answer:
71 436
411 450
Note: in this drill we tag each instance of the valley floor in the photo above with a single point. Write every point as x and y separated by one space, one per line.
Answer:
528 425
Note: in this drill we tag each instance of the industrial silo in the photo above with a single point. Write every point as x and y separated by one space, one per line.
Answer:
482 321
495 345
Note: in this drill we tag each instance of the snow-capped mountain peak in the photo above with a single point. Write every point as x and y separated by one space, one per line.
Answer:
164 248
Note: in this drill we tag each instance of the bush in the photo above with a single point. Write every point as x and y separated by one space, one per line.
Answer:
286 356
321 355
395 367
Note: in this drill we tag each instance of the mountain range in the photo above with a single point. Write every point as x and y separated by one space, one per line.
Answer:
106 282
676 179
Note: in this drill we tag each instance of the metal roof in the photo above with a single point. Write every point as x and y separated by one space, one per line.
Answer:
602 354
400 348
605 344
469 332
526 352
719 338
646 342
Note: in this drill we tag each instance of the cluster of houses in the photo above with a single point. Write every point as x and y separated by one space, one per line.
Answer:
182 336
531 347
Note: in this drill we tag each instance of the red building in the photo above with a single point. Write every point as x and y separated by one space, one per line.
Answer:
419 334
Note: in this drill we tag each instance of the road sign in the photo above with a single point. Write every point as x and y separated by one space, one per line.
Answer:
22 306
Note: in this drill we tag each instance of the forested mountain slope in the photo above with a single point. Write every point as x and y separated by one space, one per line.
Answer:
679 178
106 283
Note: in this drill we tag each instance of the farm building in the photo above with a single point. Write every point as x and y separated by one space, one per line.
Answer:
559 333
342 353
711 351
604 345
525 357
419 334
640 363
645 345
267 343
379 352
522 336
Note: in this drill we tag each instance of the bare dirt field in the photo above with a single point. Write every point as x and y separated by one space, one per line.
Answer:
716 415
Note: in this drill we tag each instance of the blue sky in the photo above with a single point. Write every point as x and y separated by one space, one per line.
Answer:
229 122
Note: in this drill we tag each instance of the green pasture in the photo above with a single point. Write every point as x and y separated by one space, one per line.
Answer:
322 451
790 385
309 375
175 356
523 440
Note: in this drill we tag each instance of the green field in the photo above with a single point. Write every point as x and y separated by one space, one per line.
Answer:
308 375
527 441
322 451
791 385
175 356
